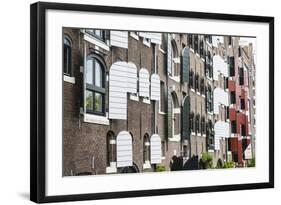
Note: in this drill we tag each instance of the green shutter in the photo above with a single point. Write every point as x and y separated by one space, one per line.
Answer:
185 64
169 115
185 118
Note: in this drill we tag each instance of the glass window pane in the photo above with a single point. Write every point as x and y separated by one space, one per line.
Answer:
98 102
98 32
89 71
98 74
89 100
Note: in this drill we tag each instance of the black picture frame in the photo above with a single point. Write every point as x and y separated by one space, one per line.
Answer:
38 101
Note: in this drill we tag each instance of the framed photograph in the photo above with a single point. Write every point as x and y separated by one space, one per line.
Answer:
129 102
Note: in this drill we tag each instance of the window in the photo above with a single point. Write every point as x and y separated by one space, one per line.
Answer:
242 104
208 65
201 47
226 112
241 76
225 83
146 149
100 34
111 148
229 40
209 39
203 131
202 86
162 97
191 122
210 135
233 127
231 64
190 40
239 51
185 150
232 97
174 54
243 130
191 81
196 43
95 85
197 82
209 99
67 56
197 123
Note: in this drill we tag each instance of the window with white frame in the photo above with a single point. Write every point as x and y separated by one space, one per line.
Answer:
95 85
67 56
97 33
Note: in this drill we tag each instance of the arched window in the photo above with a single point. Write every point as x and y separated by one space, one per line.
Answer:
175 58
175 114
111 149
67 56
146 149
95 85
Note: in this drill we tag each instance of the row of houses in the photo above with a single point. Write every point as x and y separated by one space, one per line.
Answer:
137 101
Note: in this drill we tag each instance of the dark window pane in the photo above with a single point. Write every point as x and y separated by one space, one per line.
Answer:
89 100
98 102
67 57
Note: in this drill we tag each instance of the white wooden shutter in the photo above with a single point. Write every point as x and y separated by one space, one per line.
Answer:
220 98
124 149
144 82
132 78
122 79
119 39
169 55
221 130
144 34
155 87
155 146
219 67
156 38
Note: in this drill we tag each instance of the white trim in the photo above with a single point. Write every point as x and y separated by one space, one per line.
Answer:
192 90
203 96
175 138
202 59
191 49
103 120
193 133
229 152
176 110
197 54
211 150
145 42
146 101
134 98
198 93
161 50
132 34
175 78
112 168
69 79
96 42
176 60
146 165
203 135
161 113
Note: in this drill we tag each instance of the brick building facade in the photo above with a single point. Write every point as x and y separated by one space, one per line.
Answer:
136 100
